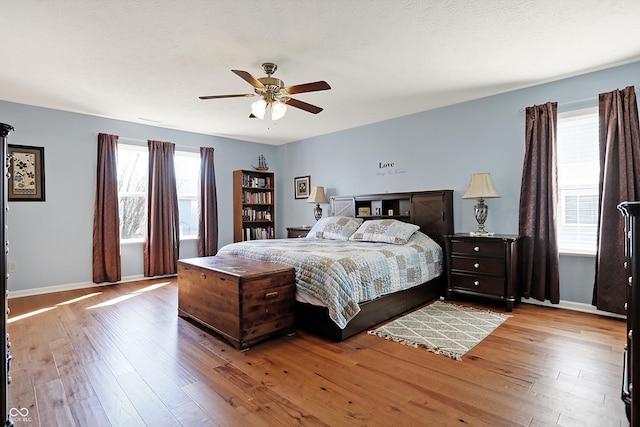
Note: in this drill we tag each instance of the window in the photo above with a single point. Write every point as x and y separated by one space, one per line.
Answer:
187 185
578 176
133 164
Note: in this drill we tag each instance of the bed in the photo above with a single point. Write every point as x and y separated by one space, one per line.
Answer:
354 273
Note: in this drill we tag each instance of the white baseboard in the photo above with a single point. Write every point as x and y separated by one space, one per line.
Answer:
575 306
69 287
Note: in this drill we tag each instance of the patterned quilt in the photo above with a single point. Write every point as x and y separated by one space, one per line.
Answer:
342 274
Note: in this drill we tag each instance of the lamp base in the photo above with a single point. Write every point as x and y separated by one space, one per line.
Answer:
481 212
317 212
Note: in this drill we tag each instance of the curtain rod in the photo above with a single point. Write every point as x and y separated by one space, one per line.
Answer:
194 149
578 101
562 104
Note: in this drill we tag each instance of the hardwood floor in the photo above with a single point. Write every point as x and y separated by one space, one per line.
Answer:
120 356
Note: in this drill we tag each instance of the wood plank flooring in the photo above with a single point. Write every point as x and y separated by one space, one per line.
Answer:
120 356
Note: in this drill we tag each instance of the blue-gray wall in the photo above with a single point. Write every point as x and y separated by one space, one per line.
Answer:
437 149
51 241
440 149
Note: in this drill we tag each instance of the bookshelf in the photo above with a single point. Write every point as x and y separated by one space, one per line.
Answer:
253 205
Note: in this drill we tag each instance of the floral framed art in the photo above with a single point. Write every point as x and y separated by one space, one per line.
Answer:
302 185
26 173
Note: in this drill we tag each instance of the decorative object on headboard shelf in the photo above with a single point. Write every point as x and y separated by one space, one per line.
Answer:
317 196
262 164
481 187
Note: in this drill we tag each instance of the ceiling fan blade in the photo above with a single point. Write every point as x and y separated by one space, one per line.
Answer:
249 79
308 87
303 106
227 96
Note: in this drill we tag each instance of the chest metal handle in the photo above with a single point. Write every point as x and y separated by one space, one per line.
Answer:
476 248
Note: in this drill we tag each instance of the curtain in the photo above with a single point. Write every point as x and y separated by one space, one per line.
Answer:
106 221
619 182
161 250
538 201
208 205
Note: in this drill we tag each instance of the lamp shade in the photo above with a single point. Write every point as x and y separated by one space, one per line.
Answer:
317 195
273 109
277 110
481 186
258 108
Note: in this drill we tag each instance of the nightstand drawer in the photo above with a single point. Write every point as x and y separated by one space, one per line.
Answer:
480 248
297 232
484 284
478 265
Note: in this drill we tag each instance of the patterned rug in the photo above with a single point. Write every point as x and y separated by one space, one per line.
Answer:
443 328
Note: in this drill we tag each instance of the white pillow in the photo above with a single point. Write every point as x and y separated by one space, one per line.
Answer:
385 231
334 228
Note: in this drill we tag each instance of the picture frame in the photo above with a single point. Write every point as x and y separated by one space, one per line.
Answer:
302 186
26 174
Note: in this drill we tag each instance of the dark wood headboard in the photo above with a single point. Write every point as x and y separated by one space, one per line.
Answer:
431 210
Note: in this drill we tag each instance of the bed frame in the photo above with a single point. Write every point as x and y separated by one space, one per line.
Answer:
433 212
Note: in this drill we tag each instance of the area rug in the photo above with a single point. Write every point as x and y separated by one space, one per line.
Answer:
443 328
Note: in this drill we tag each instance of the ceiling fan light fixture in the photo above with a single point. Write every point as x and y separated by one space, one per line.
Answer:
258 108
274 110
278 109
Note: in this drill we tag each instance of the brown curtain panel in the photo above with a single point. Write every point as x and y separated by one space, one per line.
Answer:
106 221
538 201
207 205
619 182
161 250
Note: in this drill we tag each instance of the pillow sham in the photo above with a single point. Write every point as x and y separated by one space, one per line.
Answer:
334 228
385 231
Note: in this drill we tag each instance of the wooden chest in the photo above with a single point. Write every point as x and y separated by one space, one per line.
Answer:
243 300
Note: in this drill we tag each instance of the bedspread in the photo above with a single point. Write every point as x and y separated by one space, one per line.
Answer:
342 274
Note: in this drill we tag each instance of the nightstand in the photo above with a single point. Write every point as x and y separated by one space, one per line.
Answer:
298 231
484 266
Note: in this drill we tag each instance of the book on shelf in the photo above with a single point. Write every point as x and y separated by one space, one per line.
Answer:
257 197
257 233
253 181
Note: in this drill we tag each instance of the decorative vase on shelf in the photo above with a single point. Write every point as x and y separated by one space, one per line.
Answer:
262 164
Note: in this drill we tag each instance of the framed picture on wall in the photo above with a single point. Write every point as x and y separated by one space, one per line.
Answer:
301 185
26 173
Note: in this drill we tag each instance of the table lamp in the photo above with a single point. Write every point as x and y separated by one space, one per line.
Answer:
481 187
317 196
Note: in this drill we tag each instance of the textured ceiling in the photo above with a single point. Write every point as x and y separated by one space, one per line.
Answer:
148 61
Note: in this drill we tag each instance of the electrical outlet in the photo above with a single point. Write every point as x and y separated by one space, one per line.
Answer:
13 267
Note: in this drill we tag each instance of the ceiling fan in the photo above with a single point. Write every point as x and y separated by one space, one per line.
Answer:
274 95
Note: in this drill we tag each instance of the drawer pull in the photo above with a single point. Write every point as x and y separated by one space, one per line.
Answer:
271 295
476 265
476 283
476 248
630 334
204 276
